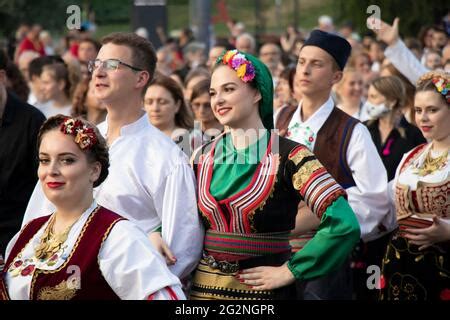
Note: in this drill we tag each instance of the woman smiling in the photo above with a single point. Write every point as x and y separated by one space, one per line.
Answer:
82 251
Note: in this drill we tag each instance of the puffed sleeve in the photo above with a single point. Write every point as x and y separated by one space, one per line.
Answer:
182 230
338 231
134 269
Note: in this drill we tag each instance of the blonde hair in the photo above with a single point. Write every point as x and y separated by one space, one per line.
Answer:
409 87
392 88
345 73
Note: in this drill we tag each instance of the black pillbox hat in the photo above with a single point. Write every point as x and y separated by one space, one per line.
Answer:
336 46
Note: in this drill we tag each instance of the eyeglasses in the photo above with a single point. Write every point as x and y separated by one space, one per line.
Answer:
109 64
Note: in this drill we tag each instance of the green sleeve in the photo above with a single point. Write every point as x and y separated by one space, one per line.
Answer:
336 237
158 229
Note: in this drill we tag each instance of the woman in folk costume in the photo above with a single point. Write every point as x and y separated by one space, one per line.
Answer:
82 250
250 182
417 265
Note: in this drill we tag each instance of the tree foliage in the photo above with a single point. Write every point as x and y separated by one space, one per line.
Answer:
51 14
413 14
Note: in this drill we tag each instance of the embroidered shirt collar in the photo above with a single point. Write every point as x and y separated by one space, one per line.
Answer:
316 120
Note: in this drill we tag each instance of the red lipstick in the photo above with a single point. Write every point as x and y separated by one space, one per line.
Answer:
54 185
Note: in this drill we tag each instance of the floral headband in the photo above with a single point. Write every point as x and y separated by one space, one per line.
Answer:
85 137
442 87
238 62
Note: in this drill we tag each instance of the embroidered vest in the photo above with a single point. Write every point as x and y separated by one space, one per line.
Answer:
79 277
331 143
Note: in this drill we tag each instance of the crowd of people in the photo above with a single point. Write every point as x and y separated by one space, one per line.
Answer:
276 170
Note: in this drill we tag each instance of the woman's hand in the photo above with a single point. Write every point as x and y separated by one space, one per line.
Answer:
266 278
385 32
160 246
439 231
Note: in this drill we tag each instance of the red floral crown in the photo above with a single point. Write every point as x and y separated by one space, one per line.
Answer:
85 137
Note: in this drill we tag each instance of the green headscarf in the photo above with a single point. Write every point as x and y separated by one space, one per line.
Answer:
258 75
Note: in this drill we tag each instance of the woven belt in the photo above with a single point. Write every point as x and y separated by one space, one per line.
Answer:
276 259
246 246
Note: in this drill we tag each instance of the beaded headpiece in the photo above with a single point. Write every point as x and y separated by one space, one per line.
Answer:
85 137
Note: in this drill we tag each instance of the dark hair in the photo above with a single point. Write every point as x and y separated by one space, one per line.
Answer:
143 52
183 118
288 74
439 29
4 60
79 108
18 84
200 89
95 43
223 42
98 152
252 83
423 33
36 65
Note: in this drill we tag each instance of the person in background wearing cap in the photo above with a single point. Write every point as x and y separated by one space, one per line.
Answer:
250 181
345 148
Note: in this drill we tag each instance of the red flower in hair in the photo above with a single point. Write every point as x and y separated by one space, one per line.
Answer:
85 137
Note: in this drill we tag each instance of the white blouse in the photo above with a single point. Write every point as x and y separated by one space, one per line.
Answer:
150 183
404 60
129 264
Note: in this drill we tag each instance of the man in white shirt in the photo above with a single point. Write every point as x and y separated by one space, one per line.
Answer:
344 146
150 180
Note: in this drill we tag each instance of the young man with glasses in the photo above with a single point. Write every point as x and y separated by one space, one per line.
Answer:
150 181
